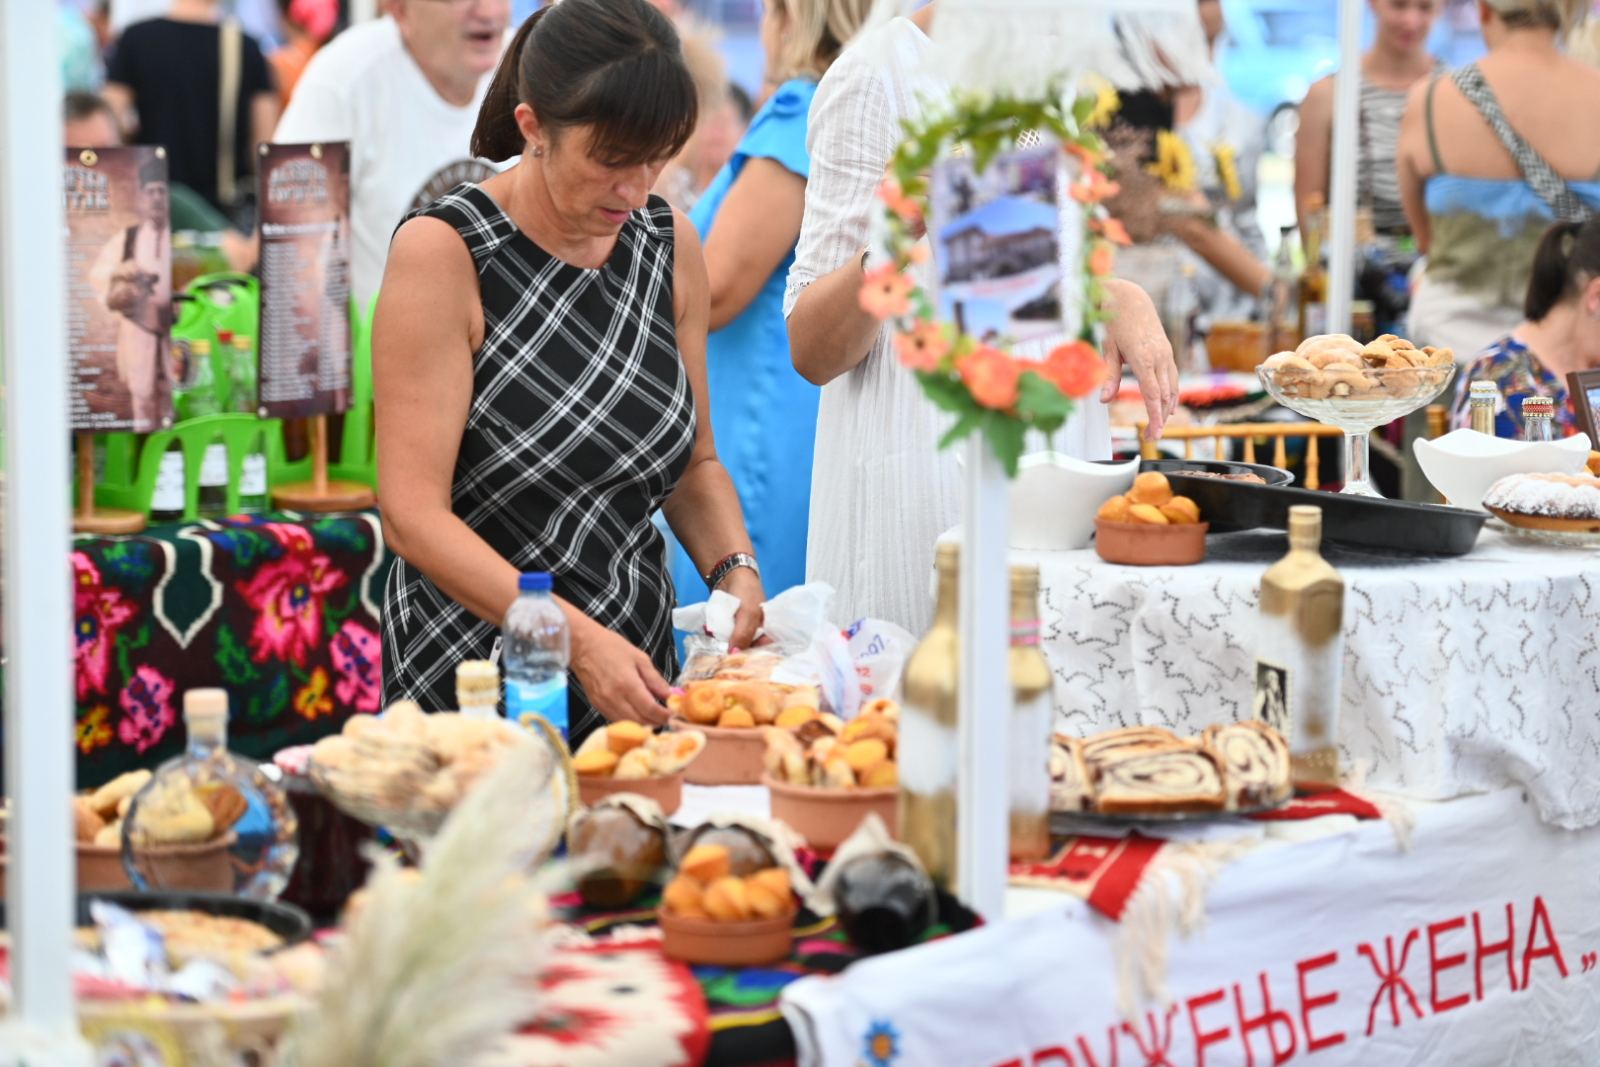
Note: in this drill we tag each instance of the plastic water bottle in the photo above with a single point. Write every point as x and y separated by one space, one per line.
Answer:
536 646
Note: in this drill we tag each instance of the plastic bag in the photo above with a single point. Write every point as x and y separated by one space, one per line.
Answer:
804 650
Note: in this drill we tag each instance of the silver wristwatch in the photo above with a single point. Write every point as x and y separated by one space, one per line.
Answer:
728 565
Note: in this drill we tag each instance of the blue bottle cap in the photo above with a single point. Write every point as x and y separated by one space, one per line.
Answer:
534 582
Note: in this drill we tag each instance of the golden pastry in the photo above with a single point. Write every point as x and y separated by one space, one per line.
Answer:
624 737
727 900
885 775
864 755
597 764
634 765
87 823
1180 509
764 903
1147 513
1114 510
1151 487
683 896
104 800
706 863
792 718
736 718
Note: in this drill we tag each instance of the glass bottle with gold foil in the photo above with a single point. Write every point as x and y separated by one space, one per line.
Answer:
1482 398
1300 653
929 745
1029 737
1314 279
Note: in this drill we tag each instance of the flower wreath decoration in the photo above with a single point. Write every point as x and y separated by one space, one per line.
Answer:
989 390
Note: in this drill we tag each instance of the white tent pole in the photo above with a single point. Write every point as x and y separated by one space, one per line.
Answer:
38 625
363 11
1342 188
982 794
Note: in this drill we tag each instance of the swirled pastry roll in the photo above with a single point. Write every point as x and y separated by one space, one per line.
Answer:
1069 775
1255 763
1112 743
1160 780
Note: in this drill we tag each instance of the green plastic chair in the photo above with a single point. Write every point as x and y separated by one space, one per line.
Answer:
240 435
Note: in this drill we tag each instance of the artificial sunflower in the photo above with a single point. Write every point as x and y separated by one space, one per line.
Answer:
1227 170
1174 165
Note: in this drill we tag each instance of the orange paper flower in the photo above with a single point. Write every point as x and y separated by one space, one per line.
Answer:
991 377
1094 188
1088 157
923 347
1112 230
886 293
1102 258
1075 368
897 201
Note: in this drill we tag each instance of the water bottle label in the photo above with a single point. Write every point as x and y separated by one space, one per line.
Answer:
168 495
214 465
253 478
547 700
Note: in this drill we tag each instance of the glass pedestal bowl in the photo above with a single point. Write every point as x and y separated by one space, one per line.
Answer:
1357 402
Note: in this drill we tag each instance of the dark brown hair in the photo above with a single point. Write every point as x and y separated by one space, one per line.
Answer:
613 65
1567 258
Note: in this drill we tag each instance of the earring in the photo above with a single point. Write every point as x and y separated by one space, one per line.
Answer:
538 150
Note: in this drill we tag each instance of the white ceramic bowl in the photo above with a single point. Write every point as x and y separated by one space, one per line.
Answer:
1054 499
1463 464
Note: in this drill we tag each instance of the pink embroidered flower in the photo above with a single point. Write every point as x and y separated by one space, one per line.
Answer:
100 613
147 712
287 595
358 658
923 347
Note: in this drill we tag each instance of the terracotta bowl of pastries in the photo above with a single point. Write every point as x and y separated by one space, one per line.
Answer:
1150 526
206 866
626 757
732 756
827 817
710 915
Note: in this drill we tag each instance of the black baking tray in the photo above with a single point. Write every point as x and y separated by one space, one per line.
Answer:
1396 526
288 922
1270 475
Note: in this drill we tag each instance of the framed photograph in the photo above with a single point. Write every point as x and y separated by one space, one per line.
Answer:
997 243
1583 386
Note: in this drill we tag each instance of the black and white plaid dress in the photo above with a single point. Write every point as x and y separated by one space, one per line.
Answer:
581 424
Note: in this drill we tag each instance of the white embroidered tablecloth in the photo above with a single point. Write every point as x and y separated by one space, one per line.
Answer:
1461 675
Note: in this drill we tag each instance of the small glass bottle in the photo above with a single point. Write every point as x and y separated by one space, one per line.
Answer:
210 819
244 400
478 689
1482 398
929 745
167 501
1300 653
1029 739
1538 418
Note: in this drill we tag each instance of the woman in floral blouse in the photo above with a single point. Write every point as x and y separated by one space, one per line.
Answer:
1560 333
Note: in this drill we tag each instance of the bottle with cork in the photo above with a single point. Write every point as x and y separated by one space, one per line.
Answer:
210 818
1300 653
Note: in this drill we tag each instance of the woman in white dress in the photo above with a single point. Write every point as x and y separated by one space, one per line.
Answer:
882 492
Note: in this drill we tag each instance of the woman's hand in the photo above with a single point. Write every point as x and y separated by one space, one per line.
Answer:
1135 338
743 583
619 680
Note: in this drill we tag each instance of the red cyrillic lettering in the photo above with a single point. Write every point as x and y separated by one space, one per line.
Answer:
1011 1063
1435 965
1508 948
1055 1054
1155 1053
1391 979
1265 1021
1309 1004
1203 1038
1552 947
1087 1053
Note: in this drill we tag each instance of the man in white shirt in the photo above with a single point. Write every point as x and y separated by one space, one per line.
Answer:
404 90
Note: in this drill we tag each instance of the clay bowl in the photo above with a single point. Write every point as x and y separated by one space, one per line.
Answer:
743 944
667 791
99 869
1142 544
207 866
827 817
731 756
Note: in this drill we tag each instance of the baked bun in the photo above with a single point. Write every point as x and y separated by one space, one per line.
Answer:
1565 503
1158 780
1255 763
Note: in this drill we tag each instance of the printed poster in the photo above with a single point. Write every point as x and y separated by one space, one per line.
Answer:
997 244
305 279
119 288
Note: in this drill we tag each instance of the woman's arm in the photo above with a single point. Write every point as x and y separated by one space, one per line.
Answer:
1312 147
704 510
755 229
427 325
852 135
1225 253
1415 165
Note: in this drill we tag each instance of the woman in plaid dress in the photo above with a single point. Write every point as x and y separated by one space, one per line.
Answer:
539 368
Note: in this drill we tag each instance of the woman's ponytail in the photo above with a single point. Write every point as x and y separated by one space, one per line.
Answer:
1567 258
496 136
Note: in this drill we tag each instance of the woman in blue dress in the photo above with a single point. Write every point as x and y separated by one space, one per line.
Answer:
763 414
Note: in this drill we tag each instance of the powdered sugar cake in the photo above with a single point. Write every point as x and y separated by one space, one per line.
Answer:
1566 503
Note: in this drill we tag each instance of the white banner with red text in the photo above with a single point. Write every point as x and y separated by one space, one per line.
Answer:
1475 948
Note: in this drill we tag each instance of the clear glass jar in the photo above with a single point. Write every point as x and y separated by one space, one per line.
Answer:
210 820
